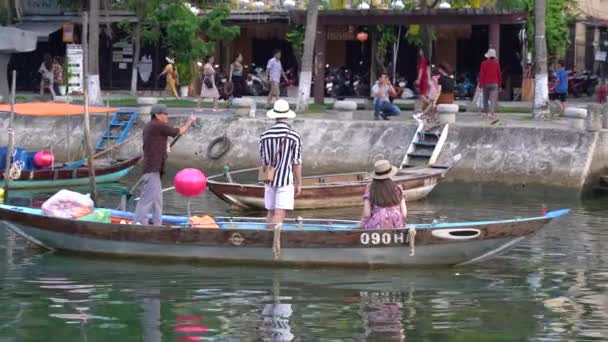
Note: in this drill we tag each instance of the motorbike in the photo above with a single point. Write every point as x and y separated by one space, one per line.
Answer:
257 81
464 88
583 83
361 84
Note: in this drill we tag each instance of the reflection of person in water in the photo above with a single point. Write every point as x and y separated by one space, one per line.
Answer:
382 321
276 322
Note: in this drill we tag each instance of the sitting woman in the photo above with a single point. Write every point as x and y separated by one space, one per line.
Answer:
384 204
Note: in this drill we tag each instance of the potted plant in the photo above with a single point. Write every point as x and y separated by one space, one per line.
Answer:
184 74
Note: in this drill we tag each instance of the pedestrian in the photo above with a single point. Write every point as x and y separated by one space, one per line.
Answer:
490 82
561 87
57 74
383 201
274 69
446 81
382 90
602 92
46 75
155 148
208 88
236 76
170 73
281 171
422 78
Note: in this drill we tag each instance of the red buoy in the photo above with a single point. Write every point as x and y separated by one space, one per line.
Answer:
190 182
43 159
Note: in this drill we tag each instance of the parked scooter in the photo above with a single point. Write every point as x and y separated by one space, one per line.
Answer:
465 89
583 83
257 81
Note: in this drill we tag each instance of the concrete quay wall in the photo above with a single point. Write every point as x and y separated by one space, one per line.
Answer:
510 155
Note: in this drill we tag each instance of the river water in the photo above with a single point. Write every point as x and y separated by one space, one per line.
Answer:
552 287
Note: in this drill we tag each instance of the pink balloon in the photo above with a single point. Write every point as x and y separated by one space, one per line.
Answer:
190 182
43 159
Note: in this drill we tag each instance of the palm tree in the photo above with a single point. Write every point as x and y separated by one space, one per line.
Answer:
541 93
308 56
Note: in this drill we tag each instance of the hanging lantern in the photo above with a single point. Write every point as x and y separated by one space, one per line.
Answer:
362 36
363 6
397 5
445 5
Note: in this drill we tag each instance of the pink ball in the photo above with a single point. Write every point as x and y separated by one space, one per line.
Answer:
190 182
43 159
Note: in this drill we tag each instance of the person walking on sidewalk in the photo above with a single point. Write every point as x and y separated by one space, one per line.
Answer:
171 76
561 88
155 147
490 82
383 108
281 155
57 75
208 88
46 76
422 80
274 69
236 76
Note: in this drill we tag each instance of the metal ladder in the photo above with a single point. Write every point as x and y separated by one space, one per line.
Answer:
117 130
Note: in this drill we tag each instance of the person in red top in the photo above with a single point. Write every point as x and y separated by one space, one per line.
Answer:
422 80
490 81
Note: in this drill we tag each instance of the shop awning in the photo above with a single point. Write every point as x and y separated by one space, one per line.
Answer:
42 29
53 109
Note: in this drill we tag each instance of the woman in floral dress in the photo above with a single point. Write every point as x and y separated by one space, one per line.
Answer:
383 201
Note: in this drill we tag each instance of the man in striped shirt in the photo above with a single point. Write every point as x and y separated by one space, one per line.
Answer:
280 146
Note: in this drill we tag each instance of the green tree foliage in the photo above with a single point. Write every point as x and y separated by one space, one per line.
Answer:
295 36
557 17
213 24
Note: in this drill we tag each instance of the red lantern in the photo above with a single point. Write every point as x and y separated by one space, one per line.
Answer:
43 159
190 182
362 36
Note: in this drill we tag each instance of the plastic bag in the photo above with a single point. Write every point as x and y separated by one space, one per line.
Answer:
478 99
100 215
68 204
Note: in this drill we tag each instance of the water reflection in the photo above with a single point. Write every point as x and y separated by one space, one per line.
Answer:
552 287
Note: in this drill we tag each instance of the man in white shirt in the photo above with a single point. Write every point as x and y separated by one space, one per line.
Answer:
383 108
274 69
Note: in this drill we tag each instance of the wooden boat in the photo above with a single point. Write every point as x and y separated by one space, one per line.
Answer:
325 191
64 175
337 242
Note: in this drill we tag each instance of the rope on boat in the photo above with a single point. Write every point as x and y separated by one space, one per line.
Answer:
15 171
276 242
411 238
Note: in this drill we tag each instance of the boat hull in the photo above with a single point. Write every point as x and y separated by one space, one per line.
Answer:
324 196
329 242
426 255
107 178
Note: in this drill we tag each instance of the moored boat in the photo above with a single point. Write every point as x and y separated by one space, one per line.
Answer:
323 191
337 242
73 174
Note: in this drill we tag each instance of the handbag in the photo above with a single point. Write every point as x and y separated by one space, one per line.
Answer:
208 83
266 172
478 99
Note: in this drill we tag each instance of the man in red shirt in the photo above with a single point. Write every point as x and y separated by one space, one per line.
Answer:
490 81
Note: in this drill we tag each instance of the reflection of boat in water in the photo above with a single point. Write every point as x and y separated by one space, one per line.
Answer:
335 242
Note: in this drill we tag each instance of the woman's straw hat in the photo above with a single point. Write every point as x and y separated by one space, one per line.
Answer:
384 170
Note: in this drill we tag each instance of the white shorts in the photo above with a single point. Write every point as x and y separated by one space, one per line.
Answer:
279 198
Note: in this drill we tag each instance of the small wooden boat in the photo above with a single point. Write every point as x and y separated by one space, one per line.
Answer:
324 191
72 174
338 242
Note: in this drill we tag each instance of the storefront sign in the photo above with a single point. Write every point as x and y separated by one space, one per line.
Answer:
41 7
75 67
68 33
341 33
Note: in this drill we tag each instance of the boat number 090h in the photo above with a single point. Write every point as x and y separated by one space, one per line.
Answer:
382 238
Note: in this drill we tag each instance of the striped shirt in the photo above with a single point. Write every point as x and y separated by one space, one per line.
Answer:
280 146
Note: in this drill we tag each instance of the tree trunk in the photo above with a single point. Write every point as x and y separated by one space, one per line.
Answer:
137 48
307 59
541 93
93 77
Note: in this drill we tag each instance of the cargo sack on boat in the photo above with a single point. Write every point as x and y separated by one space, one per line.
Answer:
99 215
68 204
202 222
